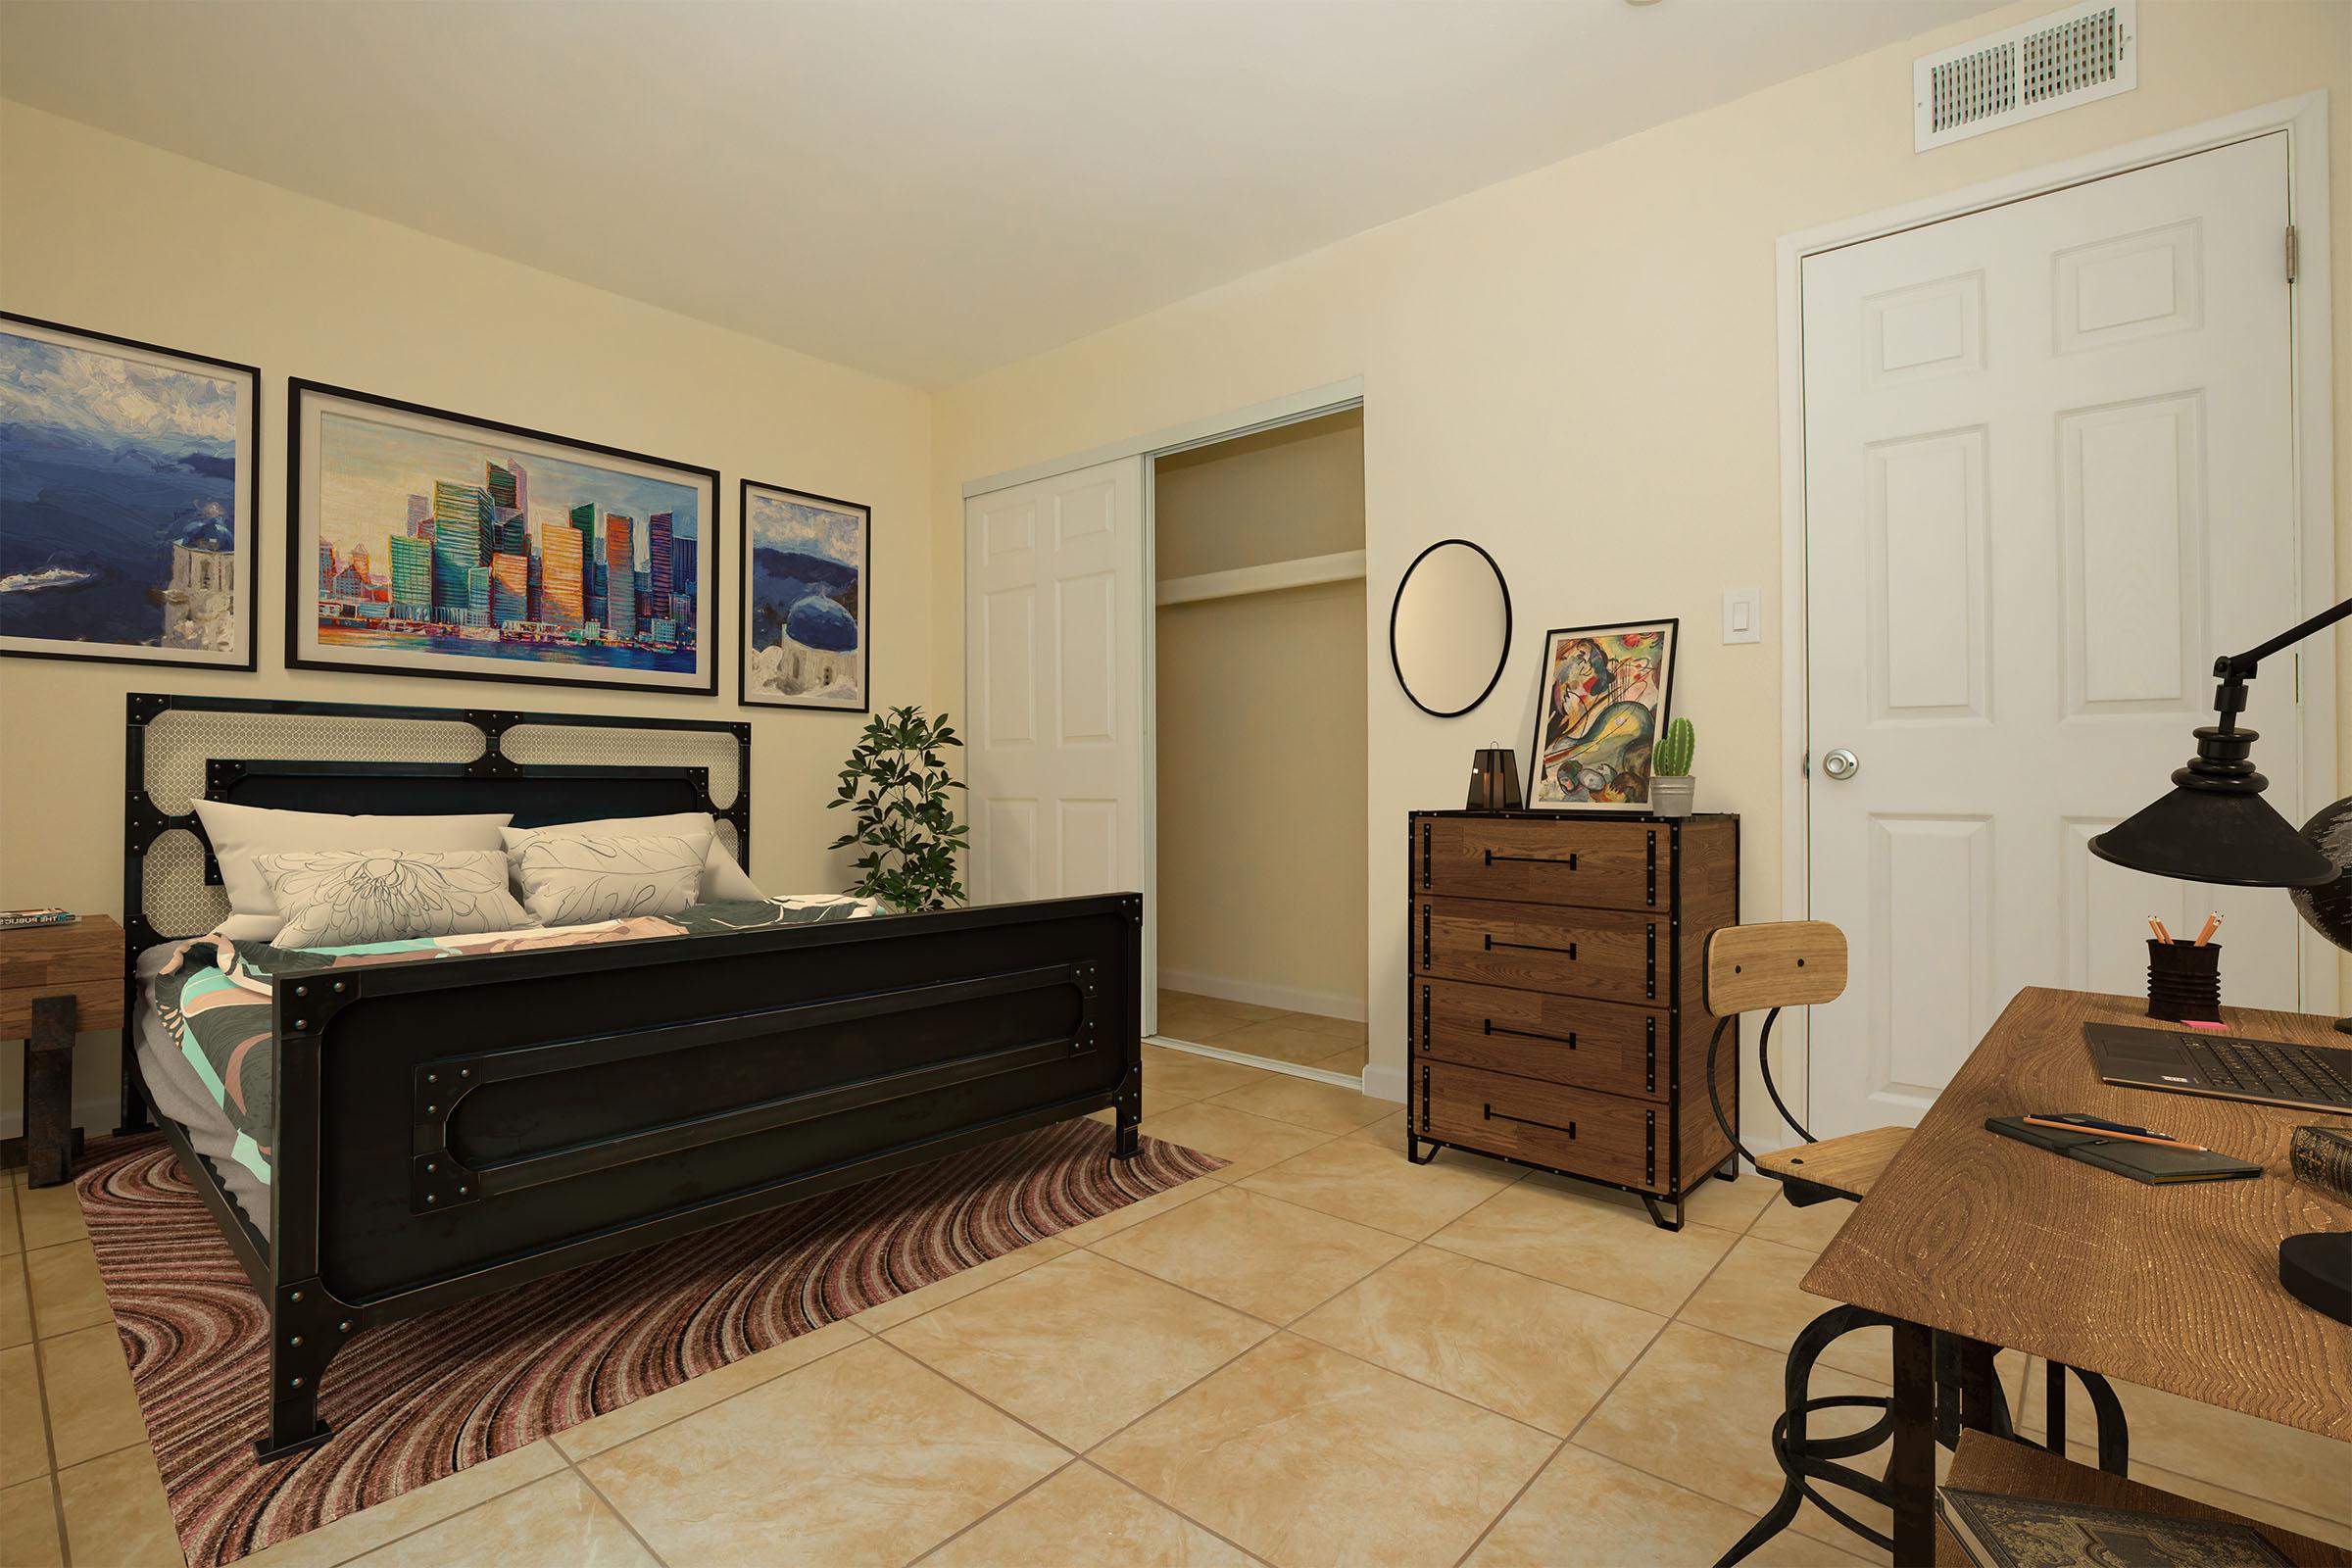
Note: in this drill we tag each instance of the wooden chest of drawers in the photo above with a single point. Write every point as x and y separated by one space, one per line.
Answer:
1554 1010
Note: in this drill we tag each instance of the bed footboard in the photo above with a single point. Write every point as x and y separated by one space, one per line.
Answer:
455 1127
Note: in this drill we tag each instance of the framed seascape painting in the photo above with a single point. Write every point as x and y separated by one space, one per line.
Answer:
422 542
806 600
126 499
1601 708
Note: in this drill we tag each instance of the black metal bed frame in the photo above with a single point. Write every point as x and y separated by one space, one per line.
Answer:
453 1128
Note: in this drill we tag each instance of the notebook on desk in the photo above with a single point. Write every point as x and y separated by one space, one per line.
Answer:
2186 1062
2157 1165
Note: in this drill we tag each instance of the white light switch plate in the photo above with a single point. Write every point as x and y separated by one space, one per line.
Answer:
1743 614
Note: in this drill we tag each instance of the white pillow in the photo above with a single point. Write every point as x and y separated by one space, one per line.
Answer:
241 832
572 881
340 898
723 881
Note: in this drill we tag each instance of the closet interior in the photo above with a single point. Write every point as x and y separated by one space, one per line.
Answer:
1260 659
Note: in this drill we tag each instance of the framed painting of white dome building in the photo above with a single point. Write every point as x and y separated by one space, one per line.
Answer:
127 498
806 600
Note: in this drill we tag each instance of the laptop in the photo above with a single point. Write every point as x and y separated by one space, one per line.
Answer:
2187 1061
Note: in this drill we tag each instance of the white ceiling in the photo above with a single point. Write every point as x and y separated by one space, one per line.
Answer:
919 188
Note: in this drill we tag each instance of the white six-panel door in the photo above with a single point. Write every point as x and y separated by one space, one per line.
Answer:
2048 479
1054 606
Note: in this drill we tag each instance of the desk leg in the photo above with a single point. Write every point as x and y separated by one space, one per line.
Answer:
49 1092
1911 1472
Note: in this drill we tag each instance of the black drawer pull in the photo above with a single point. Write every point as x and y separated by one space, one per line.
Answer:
1532 859
1528 947
1490 1026
1491 1114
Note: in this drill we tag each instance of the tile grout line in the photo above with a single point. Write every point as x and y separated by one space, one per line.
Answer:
966 1528
611 1507
1099 1469
1667 1322
41 1377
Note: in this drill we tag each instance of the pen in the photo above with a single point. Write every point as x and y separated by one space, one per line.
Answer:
2108 1130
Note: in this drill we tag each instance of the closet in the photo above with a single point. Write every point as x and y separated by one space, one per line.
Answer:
1259 669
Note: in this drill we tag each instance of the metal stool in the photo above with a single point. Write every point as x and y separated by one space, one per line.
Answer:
1800 963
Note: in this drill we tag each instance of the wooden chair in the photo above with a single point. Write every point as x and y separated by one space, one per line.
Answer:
1797 963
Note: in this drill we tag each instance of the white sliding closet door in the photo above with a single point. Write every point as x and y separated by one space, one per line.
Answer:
1054 601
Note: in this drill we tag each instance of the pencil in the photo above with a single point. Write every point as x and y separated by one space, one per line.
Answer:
2212 923
2157 926
2128 1138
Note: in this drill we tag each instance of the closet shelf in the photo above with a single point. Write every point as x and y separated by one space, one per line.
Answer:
1346 566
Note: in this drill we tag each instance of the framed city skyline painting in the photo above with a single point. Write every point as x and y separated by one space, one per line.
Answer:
127 486
1598 713
806 600
422 542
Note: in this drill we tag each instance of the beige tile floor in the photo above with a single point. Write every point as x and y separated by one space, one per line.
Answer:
1303 1039
1319 1355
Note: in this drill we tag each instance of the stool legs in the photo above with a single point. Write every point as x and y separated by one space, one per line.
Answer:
1804 1458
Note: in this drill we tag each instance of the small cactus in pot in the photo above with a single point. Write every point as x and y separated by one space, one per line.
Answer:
1670 783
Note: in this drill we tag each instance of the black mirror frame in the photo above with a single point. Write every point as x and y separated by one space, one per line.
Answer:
1502 660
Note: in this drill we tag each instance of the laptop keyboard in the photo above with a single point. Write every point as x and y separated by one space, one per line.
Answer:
2310 1073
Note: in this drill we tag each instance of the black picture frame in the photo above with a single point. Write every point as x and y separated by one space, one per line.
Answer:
1662 712
246 523
302 580
746 619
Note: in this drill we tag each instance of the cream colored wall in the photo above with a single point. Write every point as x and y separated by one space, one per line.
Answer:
1261 724
107 233
1579 369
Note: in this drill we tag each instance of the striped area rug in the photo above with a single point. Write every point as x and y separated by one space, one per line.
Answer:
418 1400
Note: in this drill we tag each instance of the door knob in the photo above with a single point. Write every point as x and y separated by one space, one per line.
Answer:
1840 763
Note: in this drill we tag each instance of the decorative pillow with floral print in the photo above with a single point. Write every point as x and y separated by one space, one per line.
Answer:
609 876
341 898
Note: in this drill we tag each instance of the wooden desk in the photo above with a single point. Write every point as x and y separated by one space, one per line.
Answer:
2177 1288
56 980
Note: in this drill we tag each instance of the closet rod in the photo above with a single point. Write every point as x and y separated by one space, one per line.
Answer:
1346 566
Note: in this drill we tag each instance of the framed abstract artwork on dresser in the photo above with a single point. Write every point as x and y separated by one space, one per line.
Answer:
127 498
1598 713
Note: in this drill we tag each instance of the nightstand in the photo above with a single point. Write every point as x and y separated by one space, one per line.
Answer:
56 981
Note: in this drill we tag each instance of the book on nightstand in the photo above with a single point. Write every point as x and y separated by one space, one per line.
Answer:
1998 1531
18 920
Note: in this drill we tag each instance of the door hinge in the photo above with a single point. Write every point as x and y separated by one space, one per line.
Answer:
2294 254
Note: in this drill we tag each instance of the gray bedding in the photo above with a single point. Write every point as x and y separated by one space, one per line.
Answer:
180 1094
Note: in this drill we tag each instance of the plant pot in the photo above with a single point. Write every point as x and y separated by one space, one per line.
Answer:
1670 794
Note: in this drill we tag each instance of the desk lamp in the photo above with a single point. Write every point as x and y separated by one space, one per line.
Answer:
2215 826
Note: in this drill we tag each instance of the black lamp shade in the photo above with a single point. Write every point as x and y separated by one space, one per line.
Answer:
2204 835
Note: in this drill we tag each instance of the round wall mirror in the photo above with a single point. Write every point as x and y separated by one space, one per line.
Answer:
1449 630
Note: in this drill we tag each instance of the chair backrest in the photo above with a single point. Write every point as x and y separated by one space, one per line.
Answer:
1784 963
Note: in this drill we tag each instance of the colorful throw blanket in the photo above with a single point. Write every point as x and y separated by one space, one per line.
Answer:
214 994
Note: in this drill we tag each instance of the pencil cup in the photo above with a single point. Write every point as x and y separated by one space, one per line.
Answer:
2185 981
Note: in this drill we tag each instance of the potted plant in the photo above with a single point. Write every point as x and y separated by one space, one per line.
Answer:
1670 780
898 784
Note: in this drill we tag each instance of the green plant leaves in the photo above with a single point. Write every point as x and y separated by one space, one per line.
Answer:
896 782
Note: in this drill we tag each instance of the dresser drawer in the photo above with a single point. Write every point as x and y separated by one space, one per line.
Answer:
1581 953
1576 1130
1566 1040
1613 866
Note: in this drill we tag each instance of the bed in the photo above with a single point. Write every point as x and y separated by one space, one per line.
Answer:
448 1127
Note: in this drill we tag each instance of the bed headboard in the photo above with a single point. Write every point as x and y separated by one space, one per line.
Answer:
355 757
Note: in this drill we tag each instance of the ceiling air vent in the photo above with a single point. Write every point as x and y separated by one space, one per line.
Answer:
2067 58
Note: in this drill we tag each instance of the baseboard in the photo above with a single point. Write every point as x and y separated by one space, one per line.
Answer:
1290 998
1385 1083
